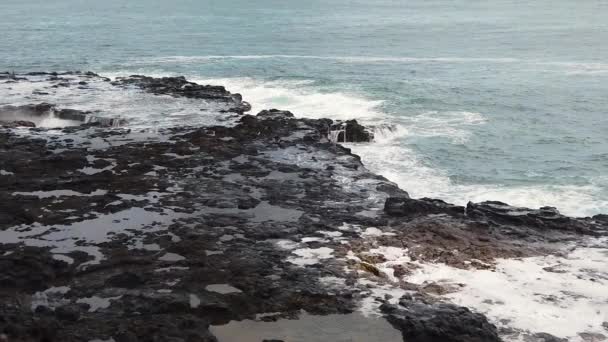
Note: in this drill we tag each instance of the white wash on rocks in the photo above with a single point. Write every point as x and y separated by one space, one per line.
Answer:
373 231
286 244
310 256
299 216
563 296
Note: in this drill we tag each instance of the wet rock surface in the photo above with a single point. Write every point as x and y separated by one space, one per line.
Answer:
179 86
349 131
19 116
420 322
136 235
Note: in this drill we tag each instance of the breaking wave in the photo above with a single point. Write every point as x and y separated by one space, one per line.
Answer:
390 157
301 98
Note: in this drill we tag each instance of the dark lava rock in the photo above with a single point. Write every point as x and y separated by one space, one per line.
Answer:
29 269
592 337
419 322
393 190
11 113
103 206
71 114
275 114
544 218
544 337
601 218
350 131
180 87
125 280
70 312
401 206
18 123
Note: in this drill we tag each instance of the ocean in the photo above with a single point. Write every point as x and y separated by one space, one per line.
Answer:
471 100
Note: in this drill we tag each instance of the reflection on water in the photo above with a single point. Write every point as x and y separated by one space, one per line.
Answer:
308 328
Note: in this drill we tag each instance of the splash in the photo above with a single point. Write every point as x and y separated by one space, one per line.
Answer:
302 98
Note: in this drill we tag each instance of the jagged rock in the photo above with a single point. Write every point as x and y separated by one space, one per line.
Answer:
393 190
402 206
18 123
419 322
163 234
179 86
601 218
592 337
70 312
127 280
72 114
13 113
30 270
349 131
275 114
544 337
544 218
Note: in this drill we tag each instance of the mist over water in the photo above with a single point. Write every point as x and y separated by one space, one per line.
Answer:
495 100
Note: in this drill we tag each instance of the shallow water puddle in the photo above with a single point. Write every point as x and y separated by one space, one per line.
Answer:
308 328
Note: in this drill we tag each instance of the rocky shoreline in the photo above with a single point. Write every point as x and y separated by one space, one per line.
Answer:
120 234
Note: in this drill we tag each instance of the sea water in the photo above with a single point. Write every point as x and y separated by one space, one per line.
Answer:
475 100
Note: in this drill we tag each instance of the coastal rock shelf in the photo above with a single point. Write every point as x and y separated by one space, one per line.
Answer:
132 234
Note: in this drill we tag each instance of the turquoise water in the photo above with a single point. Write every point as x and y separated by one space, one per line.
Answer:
500 99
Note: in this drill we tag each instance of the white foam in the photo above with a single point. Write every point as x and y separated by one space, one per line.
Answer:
301 98
333 282
394 256
373 231
287 244
51 121
330 233
392 159
411 172
370 305
140 109
530 298
578 68
310 256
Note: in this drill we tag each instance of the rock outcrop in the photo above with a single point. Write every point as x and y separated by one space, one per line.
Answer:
349 131
420 322
134 235
180 87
